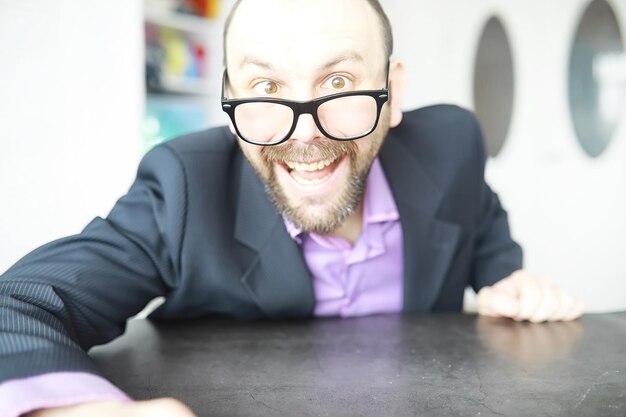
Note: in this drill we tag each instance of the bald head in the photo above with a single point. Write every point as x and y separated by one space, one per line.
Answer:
386 34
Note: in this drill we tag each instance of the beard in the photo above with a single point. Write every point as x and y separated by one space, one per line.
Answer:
316 213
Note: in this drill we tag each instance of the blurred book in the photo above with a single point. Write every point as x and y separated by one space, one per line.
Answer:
176 62
206 8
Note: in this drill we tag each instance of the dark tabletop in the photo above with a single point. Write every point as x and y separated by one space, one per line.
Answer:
393 365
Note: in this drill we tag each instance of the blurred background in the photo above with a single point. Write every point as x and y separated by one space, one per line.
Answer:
87 87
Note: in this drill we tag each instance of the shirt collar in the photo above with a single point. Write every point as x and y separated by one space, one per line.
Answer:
378 203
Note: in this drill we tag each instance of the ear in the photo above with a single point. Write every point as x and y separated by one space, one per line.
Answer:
397 81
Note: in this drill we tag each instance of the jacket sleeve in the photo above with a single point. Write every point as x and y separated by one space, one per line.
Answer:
77 292
496 254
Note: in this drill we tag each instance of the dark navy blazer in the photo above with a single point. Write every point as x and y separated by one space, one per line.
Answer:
198 228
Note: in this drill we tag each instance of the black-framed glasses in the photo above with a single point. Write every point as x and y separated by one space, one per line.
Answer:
343 116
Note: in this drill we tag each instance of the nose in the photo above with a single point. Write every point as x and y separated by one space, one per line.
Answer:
306 129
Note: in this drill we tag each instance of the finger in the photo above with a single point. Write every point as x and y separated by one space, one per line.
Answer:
566 306
495 303
509 285
483 302
575 312
501 298
549 304
163 407
529 298
571 308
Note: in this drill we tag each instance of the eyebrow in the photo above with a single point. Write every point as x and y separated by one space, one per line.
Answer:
347 57
248 60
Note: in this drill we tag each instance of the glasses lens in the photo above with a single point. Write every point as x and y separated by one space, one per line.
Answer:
348 117
263 122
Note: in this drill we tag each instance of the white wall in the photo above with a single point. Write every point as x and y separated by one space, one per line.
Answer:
71 103
566 209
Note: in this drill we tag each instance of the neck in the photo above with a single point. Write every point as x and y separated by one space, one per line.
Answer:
352 227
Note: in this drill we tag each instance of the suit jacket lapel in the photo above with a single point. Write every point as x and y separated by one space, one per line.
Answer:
429 243
276 275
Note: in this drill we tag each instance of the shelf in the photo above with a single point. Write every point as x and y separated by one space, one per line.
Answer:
181 85
181 81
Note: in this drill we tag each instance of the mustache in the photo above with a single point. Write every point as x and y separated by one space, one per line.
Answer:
317 150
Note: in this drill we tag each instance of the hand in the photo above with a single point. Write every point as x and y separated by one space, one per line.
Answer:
523 296
165 407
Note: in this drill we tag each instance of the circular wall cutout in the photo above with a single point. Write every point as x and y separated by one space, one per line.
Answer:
494 85
597 78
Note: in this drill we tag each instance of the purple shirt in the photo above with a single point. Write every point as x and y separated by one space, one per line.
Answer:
20 396
347 280
365 278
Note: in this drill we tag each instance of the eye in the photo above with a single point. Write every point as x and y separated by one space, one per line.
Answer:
266 88
338 82
271 87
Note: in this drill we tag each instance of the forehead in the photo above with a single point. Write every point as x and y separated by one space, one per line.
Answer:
298 34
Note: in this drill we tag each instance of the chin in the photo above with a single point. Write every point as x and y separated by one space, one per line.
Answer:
321 218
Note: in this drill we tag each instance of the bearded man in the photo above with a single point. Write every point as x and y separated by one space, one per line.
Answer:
322 199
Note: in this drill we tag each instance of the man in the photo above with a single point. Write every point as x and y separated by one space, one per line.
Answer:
330 201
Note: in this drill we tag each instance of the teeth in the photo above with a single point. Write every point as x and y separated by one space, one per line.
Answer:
309 167
303 181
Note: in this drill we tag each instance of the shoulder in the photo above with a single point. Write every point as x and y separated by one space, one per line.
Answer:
192 164
442 137
189 176
439 113
202 148
445 142
215 140
444 126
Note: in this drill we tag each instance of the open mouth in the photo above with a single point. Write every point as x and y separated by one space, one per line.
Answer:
315 173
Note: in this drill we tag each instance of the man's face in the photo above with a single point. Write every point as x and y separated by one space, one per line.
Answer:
301 50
